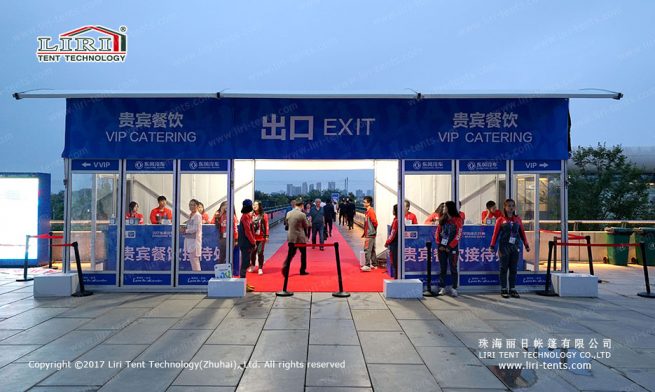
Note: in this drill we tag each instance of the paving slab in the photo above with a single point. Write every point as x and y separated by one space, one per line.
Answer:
405 378
337 366
429 333
220 366
333 332
388 348
68 347
30 318
456 367
202 318
142 331
288 318
281 345
375 320
47 331
237 331
101 364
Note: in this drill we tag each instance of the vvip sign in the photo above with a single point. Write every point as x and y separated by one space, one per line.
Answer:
87 44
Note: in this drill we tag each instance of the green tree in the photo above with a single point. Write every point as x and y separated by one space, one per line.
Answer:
603 184
57 206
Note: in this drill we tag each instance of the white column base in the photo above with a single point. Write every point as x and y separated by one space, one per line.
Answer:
56 285
403 288
575 285
226 288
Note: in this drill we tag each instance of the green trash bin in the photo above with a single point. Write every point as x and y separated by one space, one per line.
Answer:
647 236
618 235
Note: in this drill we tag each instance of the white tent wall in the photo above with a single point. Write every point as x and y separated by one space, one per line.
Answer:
209 189
146 187
244 182
425 192
474 192
385 195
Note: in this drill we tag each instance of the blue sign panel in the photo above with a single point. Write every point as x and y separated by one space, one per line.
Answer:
428 165
95 165
148 248
313 128
99 279
203 165
474 253
194 279
537 166
147 280
150 165
481 166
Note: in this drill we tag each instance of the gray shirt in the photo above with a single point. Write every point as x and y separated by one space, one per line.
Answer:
317 216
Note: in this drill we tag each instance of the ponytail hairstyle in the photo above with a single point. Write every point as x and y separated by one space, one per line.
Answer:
450 211
507 201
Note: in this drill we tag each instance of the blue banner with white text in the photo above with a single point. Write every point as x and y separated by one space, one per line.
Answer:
313 128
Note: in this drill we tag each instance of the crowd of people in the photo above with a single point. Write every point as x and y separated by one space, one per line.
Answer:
315 221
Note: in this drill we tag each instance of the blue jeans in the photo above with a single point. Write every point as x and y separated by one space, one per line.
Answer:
317 229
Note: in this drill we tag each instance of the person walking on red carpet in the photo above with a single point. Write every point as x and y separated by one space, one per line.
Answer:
370 232
298 225
260 229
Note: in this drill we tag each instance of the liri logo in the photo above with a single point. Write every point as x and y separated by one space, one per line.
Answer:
87 44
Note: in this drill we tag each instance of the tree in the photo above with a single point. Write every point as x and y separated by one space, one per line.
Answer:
604 185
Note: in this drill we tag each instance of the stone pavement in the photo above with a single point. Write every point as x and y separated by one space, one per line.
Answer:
371 343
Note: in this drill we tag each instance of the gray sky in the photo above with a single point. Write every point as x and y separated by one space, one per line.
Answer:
334 46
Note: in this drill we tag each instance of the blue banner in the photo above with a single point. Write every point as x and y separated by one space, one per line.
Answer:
203 165
148 248
313 128
150 165
428 165
98 279
95 165
537 166
482 166
474 253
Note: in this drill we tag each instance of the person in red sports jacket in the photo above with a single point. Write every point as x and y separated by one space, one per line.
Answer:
370 232
491 214
433 219
509 233
410 217
392 241
448 234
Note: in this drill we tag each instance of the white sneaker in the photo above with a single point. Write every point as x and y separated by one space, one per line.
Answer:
366 268
251 269
442 291
374 267
453 292
260 272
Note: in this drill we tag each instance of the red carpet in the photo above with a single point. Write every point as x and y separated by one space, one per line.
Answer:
322 270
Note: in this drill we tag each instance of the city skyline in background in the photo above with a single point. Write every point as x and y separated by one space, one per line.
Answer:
278 181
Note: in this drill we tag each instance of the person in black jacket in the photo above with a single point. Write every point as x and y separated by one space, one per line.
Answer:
350 206
329 215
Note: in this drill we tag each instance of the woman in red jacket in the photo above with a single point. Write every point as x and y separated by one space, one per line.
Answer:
509 233
448 234
260 229
392 242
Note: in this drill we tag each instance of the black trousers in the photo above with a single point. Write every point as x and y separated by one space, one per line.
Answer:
447 259
509 260
393 255
328 225
245 261
291 253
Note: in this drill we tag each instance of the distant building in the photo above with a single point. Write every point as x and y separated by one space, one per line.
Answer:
296 190
332 185
318 186
369 192
359 193
311 187
289 189
304 187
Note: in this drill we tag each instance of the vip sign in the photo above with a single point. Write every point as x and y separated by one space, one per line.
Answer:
87 44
